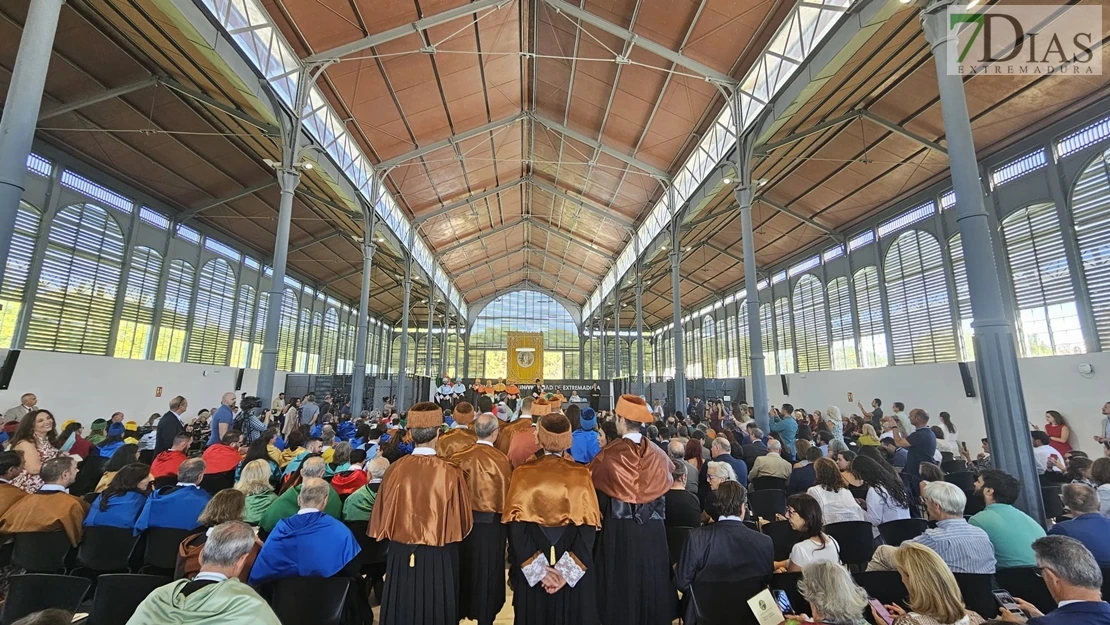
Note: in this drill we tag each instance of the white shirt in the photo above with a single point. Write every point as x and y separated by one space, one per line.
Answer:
307 510
424 451
635 437
1042 454
837 507
881 509
484 443
729 517
808 552
210 577
53 488
187 485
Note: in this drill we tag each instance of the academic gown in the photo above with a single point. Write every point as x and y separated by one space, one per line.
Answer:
286 506
173 507
509 430
9 495
482 573
553 519
634 571
453 441
423 509
46 511
123 510
305 545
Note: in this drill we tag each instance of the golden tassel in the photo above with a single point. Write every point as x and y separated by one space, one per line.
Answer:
412 560
552 555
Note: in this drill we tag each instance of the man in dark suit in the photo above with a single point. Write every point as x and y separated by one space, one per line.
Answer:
1073 578
683 507
170 425
754 448
725 551
1086 525
801 478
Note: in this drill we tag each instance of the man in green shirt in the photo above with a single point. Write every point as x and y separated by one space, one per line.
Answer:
286 505
1011 531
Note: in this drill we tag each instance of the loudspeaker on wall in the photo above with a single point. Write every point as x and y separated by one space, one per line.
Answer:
8 369
969 383
785 386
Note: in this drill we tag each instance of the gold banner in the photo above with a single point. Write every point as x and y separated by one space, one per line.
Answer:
525 358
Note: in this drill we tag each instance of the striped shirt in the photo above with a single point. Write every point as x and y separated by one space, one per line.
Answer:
963 547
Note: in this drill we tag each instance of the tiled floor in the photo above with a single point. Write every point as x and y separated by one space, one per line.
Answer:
505 617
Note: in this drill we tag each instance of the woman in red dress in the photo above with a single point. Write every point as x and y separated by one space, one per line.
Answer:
1056 426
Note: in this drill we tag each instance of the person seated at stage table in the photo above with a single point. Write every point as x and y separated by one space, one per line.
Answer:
286 504
178 506
293 549
51 508
120 504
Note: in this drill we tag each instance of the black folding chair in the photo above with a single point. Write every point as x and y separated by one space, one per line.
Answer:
953 466
964 479
723 603
35 592
769 483
895 533
309 600
977 591
88 476
783 537
676 540
1053 505
41 552
1024 582
767 503
118 595
886 586
162 545
856 541
1106 582
106 549
975 504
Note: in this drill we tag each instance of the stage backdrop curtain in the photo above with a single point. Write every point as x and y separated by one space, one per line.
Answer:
525 366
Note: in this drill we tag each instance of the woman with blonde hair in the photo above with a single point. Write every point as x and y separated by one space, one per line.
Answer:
834 598
934 597
868 438
226 505
254 483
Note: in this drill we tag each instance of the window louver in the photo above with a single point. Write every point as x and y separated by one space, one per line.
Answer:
244 315
963 297
215 303
80 276
708 347
869 307
917 295
843 332
136 323
175 312
743 341
27 223
784 336
770 362
287 330
811 334
1091 213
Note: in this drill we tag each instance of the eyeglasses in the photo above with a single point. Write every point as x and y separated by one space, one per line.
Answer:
1039 570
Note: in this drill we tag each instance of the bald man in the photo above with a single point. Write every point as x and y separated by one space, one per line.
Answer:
222 419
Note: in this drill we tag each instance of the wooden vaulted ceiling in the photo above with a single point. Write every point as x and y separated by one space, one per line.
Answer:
541 187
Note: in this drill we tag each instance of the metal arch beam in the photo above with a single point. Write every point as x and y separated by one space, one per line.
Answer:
794 137
488 261
604 149
899 130
314 241
96 98
210 102
475 308
346 210
449 141
468 200
640 41
193 212
600 251
802 218
721 250
582 271
470 238
416 27
558 283
583 202
342 277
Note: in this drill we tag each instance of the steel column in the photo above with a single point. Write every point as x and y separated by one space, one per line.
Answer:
358 372
288 178
639 328
996 355
617 331
743 192
402 373
676 304
21 110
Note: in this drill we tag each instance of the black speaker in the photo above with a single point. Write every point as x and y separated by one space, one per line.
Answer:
965 375
785 386
8 369
239 380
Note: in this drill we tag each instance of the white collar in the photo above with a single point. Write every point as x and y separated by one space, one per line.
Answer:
729 517
307 510
204 576
458 426
1069 601
376 480
187 485
53 488
484 443
635 437
424 451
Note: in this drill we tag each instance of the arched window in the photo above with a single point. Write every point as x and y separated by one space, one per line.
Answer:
869 307
454 347
593 358
329 342
241 340
963 297
810 331
136 322
708 347
208 341
785 344
287 330
422 357
529 311
18 269
306 361
1090 207
843 332
917 296
1047 315
743 342
175 312
80 275
766 332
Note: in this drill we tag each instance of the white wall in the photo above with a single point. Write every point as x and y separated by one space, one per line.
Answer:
80 387
1048 383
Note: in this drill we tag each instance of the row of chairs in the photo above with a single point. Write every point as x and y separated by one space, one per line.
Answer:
102 550
295 601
